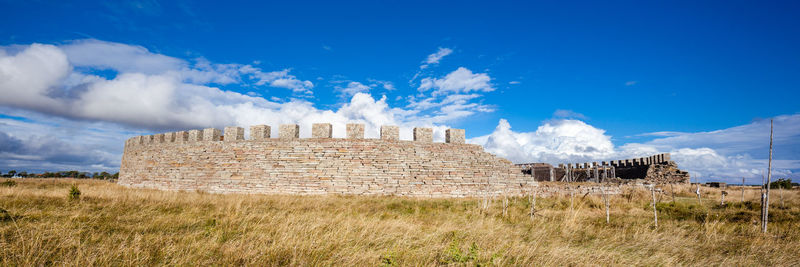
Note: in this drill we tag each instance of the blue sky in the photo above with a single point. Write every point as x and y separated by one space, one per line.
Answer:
531 81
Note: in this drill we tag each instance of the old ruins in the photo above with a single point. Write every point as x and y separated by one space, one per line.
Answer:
655 169
212 161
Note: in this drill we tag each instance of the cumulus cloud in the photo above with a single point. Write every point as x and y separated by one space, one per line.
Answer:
554 141
717 155
149 90
461 80
28 78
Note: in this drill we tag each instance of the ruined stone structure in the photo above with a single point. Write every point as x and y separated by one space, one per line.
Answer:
657 168
212 161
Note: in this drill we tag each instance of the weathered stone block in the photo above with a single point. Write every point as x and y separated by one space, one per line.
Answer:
289 131
423 135
148 140
211 134
260 132
158 138
181 137
454 136
321 130
195 135
355 131
667 157
390 132
169 137
233 134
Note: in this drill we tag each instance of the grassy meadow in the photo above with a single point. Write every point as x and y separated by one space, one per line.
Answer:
109 224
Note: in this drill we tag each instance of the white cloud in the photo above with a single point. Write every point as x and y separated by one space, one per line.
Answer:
29 76
555 141
150 90
279 79
631 83
462 80
564 113
514 82
436 57
387 85
125 58
352 88
121 57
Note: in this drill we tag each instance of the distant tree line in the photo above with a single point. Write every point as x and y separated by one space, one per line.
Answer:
782 183
62 174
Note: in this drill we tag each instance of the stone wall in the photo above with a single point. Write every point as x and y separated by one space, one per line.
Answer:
324 165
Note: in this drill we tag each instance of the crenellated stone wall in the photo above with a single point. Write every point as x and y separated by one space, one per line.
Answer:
210 161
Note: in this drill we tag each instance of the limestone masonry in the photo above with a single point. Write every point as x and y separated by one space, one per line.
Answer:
212 161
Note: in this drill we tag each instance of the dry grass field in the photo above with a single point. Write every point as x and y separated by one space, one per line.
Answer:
114 225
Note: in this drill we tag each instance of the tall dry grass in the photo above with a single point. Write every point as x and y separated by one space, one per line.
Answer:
114 225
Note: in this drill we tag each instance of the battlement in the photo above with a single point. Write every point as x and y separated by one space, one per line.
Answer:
288 132
228 161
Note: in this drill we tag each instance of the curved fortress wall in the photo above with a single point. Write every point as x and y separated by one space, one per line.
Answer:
209 161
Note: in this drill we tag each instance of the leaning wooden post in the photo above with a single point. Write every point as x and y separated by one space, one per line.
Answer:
769 180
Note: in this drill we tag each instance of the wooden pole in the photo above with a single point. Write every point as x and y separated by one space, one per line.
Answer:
655 211
533 204
672 190
742 189
605 199
763 198
769 180
698 195
505 205
571 198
